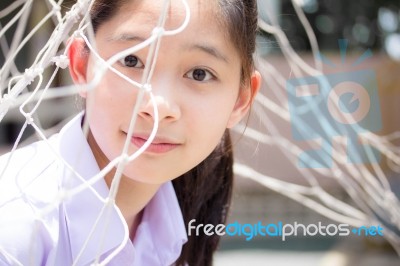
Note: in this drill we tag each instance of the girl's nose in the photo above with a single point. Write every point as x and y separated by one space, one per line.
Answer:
163 99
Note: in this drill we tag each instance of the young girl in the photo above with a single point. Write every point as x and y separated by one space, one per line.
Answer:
203 82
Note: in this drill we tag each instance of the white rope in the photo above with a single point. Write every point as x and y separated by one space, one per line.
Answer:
367 186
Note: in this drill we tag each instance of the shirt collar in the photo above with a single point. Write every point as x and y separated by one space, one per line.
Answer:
84 214
162 228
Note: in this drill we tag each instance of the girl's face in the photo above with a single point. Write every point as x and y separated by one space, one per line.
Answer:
196 84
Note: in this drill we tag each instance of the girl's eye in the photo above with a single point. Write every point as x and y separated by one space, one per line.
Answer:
200 74
131 61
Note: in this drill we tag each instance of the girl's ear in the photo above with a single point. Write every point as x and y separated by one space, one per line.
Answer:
245 100
78 61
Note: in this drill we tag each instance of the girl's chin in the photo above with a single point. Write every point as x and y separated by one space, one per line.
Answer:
153 179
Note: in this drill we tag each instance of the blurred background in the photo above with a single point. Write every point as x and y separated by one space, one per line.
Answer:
365 24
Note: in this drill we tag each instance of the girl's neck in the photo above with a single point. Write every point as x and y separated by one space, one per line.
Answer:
131 199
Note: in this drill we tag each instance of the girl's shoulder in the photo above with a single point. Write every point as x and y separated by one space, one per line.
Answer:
28 182
27 168
38 165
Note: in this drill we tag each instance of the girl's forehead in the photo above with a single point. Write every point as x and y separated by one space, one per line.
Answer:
148 12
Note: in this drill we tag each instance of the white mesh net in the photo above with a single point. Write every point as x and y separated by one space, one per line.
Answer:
367 184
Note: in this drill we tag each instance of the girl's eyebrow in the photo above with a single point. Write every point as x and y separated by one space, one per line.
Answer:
126 37
209 50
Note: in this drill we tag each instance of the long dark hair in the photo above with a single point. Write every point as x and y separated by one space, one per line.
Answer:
204 192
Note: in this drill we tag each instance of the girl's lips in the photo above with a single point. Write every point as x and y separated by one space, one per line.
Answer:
157 146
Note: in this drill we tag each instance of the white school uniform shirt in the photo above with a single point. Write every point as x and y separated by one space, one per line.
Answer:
35 230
